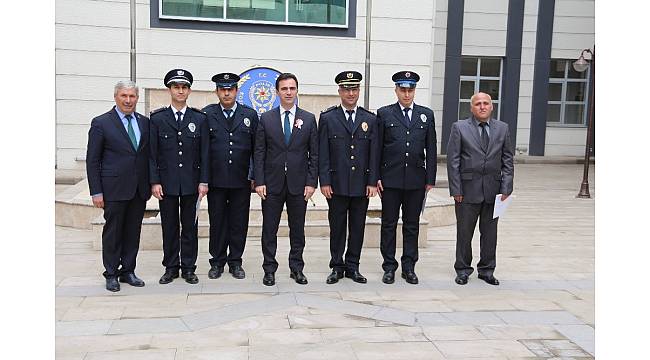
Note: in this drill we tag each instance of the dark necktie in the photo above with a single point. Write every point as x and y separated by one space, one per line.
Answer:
131 132
179 117
485 138
350 119
287 127
228 117
406 115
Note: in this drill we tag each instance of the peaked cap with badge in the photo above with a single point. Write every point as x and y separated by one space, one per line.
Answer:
406 79
178 76
348 79
226 80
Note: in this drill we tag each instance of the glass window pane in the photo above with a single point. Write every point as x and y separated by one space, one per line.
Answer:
575 91
466 89
557 69
193 8
490 87
553 113
574 114
263 10
317 12
573 74
495 111
555 91
464 110
468 66
490 67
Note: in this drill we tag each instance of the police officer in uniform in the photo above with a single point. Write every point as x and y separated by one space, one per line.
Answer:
348 172
407 171
232 140
179 167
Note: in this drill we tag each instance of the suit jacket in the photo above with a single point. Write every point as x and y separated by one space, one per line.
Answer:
408 150
348 155
275 160
179 152
113 166
231 148
474 173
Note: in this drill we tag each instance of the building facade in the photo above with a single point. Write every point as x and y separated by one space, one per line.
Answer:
518 51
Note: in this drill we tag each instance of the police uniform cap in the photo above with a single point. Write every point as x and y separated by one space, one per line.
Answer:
226 80
348 79
406 79
178 76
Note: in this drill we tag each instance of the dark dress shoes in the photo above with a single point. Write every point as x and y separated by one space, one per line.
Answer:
215 272
112 284
334 277
190 277
269 279
168 276
490 279
461 279
131 279
356 276
237 272
299 277
389 277
410 277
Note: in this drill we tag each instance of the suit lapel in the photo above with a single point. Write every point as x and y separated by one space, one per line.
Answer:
295 131
237 118
220 118
415 115
494 131
399 114
143 131
471 128
358 119
170 118
186 120
120 127
340 115
276 125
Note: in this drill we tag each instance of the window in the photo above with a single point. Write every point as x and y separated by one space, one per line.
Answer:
321 13
567 99
479 74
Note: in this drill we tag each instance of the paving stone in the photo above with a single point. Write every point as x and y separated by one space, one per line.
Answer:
221 353
101 343
473 318
395 316
340 306
432 319
153 354
71 356
269 321
301 352
396 350
200 339
147 326
285 337
93 313
83 327
538 317
482 348
415 305
517 332
464 332
328 320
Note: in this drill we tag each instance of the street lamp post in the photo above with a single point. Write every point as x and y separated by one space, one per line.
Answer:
582 65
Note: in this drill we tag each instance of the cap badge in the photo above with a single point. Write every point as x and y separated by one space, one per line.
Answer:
349 75
247 122
408 74
180 72
192 127
226 76
364 126
423 117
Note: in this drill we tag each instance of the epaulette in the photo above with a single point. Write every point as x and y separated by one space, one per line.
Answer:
244 106
197 110
364 109
329 109
210 106
158 110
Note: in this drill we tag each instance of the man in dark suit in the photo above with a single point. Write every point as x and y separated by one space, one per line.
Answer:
407 172
232 140
179 175
118 176
348 173
479 166
286 171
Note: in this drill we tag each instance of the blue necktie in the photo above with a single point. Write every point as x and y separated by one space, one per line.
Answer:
406 115
287 127
131 132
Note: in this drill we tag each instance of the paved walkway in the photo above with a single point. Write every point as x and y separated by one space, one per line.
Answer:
544 307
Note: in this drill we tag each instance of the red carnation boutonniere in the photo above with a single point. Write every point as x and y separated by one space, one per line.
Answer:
298 123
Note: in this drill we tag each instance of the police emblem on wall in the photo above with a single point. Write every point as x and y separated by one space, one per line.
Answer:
257 89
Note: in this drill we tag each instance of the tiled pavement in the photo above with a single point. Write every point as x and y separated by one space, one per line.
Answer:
544 307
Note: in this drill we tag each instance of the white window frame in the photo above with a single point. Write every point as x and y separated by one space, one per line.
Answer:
563 102
477 79
242 21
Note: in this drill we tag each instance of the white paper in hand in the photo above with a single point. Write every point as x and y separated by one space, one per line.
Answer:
501 206
198 207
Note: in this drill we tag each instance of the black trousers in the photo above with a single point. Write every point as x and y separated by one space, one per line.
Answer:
121 235
228 209
180 235
342 209
466 216
271 212
411 203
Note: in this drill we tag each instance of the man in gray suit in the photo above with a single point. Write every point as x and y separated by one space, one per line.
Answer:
479 166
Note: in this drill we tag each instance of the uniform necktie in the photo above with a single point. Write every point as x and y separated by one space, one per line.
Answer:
485 138
287 127
131 132
228 117
350 120
179 116
406 115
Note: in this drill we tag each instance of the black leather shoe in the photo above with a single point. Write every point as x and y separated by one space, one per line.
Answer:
237 272
168 277
190 277
334 277
410 277
461 279
112 284
269 279
389 277
131 279
215 272
490 279
356 276
299 277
